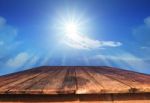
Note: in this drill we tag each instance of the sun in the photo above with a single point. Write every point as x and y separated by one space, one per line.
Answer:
71 28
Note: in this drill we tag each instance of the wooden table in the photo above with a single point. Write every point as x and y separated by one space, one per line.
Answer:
75 84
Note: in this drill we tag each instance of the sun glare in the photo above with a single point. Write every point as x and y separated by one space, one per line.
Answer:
71 28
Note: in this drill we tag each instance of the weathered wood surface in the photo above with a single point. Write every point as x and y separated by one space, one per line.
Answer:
74 80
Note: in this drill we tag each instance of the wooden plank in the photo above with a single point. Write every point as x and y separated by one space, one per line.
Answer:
71 98
16 74
131 98
79 80
23 88
5 89
40 82
95 98
12 78
121 78
6 85
55 83
109 85
86 84
69 83
20 98
139 77
134 85
55 98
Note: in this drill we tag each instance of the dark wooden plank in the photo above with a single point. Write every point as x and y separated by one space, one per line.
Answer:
20 98
109 85
131 98
71 98
95 98
86 84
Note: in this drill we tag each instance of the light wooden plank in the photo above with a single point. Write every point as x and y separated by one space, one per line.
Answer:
5 89
139 77
80 80
134 79
24 87
129 80
17 74
14 77
69 83
86 84
55 83
26 75
110 85
39 83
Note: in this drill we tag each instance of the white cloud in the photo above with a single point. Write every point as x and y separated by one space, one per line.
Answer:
31 63
2 21
34 60
145 48
124 57
1 43
8 34
82 42
142 32
111 43
123 60
147 21
18 61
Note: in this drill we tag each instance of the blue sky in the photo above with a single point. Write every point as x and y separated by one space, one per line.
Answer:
109 33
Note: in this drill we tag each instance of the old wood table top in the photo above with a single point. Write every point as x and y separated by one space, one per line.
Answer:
74 80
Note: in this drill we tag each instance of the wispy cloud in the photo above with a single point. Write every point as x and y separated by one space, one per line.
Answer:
123 60
2 21
142 32
124 56
8 34
145 48
18 61
110 43
147 21
84 42
1 43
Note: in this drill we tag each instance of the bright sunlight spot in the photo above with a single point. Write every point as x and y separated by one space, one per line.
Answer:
71 28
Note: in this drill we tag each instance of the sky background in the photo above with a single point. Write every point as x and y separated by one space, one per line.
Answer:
112 33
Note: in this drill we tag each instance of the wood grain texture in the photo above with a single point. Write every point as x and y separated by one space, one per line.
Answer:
132 79
55 83
34 85
74 80
86 84
110 85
